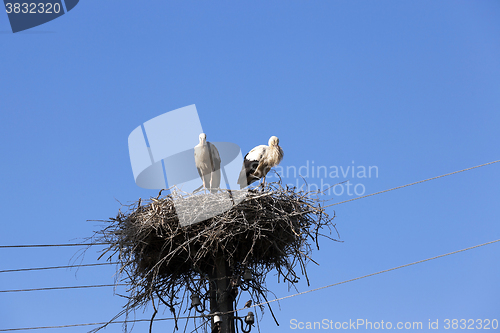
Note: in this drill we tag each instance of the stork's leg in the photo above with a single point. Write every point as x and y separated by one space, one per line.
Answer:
211 189
204 184
210 182
198 189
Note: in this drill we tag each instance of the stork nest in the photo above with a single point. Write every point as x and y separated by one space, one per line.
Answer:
273 227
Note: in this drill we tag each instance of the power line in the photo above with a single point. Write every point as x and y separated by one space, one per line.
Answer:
420 181
54 267
263 303
334 204
62 288
203 323
372 274
94 324
49 245
73 287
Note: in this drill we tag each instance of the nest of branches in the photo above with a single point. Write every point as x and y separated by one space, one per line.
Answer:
270 228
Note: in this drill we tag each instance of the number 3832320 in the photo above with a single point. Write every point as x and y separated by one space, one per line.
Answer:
32 8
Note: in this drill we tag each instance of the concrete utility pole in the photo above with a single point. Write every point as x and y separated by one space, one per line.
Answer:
221 298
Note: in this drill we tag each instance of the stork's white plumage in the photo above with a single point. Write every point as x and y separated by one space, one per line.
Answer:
207 159
259 161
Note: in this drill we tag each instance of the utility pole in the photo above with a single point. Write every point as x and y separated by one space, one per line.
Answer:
221 297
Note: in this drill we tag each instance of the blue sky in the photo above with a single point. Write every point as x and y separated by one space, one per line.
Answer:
411 87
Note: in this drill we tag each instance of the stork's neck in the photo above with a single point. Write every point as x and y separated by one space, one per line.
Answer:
275 154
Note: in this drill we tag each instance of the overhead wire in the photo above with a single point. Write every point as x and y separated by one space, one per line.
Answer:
334 204
267 302
94 324
373 274
50 245
255 305
55 267
62 288
203 323
420 181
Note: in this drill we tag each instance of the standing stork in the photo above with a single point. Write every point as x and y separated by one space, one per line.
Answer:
259 161
207 160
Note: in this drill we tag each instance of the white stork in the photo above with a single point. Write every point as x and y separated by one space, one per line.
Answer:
259 161
207 159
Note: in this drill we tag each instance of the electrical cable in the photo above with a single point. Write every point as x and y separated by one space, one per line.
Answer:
203 323
91 324
371 274
334 204
49 245
255 305
62 288
263 303
54 267
420 181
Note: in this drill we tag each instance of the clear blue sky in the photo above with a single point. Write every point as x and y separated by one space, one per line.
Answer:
411 87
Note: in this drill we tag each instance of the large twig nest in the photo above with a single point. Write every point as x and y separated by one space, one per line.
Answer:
271 228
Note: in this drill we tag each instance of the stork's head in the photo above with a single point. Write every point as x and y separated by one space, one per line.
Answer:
274 141
203 138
